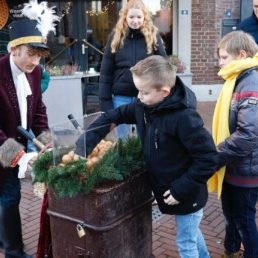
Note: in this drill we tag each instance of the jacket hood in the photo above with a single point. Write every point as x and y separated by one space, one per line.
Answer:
180 97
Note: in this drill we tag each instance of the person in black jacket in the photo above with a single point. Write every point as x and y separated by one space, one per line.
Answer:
250 24
134 38
179 152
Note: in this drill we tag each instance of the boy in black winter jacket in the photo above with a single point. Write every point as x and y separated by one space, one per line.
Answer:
180 154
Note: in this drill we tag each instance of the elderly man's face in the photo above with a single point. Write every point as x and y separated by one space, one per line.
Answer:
255 6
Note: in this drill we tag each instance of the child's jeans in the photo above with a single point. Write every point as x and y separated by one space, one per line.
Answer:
189 239
123 130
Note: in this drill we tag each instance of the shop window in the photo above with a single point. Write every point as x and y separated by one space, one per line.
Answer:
162 18
100 18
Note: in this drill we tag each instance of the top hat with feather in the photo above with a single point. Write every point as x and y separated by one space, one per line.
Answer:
33 29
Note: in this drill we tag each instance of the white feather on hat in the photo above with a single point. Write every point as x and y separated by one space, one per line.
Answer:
45 16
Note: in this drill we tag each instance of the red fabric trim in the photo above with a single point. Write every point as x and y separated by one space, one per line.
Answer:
242 95
242 181
44 243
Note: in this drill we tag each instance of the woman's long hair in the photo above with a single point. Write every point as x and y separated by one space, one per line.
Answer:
148 29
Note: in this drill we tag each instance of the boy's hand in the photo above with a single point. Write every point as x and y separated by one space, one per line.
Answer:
169 199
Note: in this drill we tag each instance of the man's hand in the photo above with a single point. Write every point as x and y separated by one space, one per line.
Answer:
169 199
47 147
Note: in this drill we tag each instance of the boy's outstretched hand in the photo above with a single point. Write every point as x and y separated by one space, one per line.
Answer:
169 199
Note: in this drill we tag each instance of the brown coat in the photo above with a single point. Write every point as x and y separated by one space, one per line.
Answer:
9 108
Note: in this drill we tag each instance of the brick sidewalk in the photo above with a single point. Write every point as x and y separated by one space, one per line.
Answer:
164 229
212 226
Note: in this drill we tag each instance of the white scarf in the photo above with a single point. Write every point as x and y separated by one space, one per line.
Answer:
22 89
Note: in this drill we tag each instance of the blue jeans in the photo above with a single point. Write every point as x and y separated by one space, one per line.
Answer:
123 130
189 239
238 205
10 193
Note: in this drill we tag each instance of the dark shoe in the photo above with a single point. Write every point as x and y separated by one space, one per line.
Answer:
232 255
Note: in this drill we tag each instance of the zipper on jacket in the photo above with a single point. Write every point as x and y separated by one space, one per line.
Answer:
134 49
156 138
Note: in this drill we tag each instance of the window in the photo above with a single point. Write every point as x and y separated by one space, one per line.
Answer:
162 18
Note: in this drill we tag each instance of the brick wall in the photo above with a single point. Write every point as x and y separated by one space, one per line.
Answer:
207 18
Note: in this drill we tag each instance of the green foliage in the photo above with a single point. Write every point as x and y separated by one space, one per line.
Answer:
41 167
117 164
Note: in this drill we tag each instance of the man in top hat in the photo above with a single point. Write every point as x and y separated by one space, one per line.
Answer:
21 105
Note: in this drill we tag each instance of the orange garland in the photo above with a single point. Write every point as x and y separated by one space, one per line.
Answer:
16 159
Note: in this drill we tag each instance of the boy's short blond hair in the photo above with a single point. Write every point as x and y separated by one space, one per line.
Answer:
156 69
236 41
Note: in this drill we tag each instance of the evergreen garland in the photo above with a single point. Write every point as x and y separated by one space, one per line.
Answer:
117 164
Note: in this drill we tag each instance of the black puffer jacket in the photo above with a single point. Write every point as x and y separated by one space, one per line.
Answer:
250 25
115 74
180 154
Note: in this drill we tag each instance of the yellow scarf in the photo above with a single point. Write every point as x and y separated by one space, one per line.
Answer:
220 124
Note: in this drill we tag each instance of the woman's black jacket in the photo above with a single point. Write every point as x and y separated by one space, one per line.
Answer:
115 75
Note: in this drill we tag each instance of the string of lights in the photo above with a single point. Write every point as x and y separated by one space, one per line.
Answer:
103 10
66 11
163 5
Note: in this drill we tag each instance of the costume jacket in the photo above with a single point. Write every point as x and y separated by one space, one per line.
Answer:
115 75
250 25
180 154
10 114
239 152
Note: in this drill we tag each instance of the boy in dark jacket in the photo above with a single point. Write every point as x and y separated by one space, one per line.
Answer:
180 154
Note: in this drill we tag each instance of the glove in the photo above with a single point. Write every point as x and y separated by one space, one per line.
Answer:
23 163
10 152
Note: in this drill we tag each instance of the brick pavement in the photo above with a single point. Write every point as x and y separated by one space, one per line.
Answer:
164 229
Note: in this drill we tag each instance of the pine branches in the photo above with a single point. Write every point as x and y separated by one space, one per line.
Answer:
117 164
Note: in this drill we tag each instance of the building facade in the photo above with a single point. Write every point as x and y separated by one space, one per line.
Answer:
210 21
199 34
191 29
